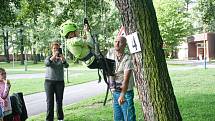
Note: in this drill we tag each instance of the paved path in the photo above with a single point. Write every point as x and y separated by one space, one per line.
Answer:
36 103
26 76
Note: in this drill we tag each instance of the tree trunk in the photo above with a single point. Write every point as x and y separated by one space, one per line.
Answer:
22 47
152 78
34 55
6 47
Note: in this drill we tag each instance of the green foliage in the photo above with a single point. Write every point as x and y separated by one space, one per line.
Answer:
102 15
40 21
7 14
173 23
207 8
33 8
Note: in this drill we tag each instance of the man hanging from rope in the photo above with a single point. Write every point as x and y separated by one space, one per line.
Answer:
83 49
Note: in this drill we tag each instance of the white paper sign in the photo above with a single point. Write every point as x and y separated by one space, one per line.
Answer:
133 42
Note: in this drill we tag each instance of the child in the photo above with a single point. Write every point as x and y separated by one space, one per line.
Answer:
82 47
5 104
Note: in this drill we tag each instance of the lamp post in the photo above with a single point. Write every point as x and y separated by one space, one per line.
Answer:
204 42
13 38
205 63
26 61
65 55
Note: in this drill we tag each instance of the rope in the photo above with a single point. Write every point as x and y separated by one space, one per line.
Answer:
105 69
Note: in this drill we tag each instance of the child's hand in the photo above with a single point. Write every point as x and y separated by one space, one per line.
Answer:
6 81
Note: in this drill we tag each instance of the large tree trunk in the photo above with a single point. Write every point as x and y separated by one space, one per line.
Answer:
152 78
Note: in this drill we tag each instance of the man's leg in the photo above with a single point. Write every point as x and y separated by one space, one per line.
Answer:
59 90
50 100
128 107
118 115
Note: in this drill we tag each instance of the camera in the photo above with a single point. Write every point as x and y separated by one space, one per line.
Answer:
115 86
59 52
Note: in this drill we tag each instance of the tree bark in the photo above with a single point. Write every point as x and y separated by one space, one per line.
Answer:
6 47
22 47
34 55
152 78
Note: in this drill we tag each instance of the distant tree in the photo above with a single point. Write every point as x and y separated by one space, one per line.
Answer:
207 8
29 14
7 19
173 23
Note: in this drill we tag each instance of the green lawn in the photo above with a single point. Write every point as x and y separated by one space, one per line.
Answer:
194 90
90 110
77 73
17 65
29 86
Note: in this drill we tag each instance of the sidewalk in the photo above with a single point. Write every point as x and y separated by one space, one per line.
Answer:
36 103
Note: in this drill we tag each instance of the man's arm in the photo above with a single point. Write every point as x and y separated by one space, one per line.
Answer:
124 87
87 36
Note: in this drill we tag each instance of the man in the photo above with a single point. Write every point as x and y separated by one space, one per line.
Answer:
122 84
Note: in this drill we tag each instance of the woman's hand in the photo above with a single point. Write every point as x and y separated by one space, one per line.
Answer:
62 58
54 56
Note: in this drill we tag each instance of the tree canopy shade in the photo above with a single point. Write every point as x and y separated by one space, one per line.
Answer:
152 78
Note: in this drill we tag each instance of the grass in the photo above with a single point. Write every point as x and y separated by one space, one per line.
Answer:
194 90
91 110
29 86
38 66
77 74
17 65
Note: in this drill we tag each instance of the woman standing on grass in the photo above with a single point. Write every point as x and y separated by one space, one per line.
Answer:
54 82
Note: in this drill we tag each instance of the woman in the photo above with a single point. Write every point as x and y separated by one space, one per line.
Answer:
54 82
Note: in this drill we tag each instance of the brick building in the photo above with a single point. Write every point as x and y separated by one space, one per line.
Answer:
198 47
